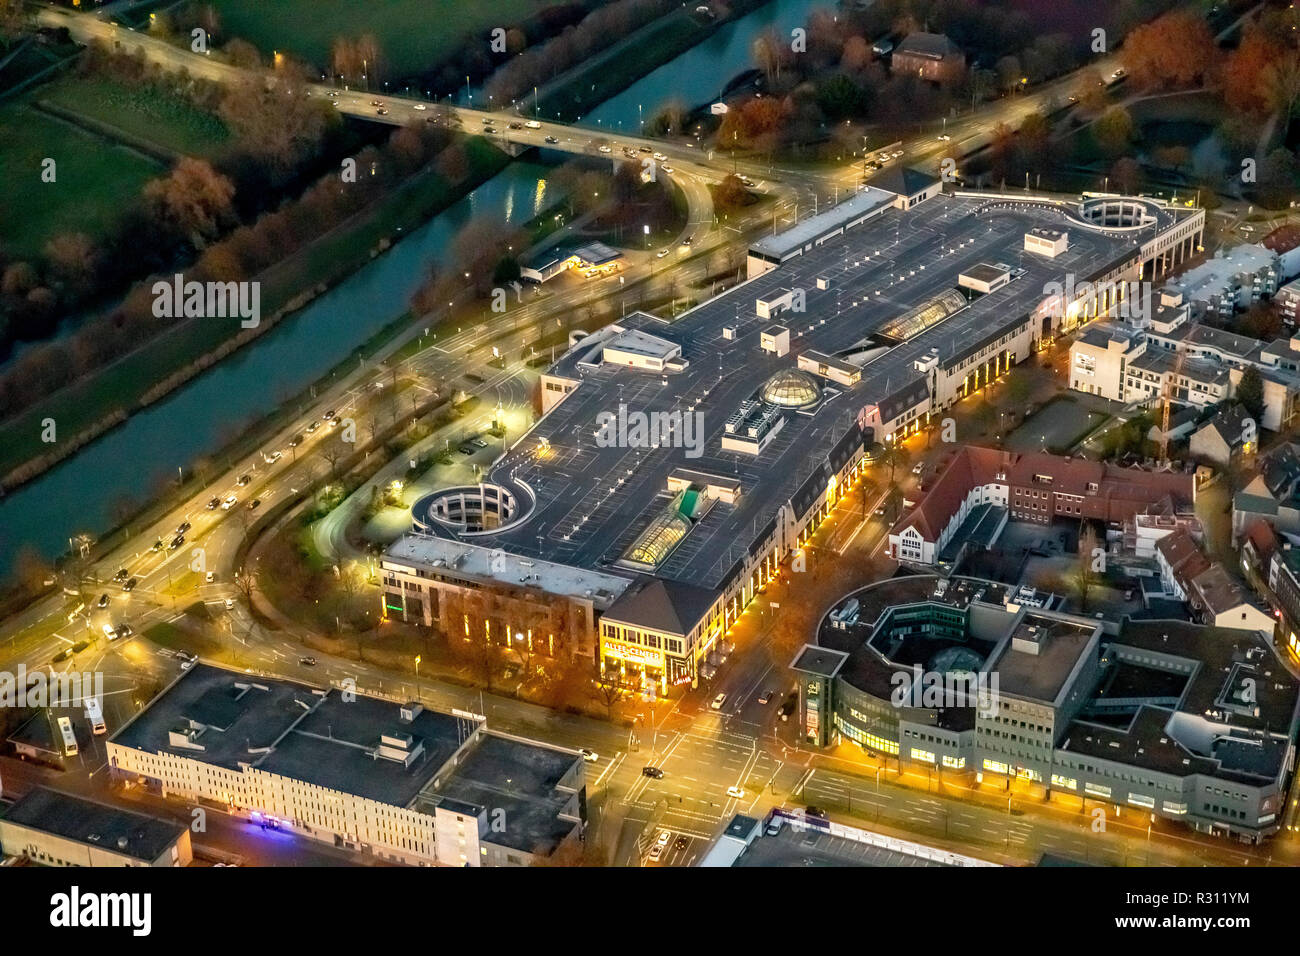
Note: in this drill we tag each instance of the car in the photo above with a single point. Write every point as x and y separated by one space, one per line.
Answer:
307 661
243 480
255 504
881 511
533 124
129 584
229 502
176 542
102 602
157 545
944 137
121 575
661 253
688 240
183 527
109 631
747 182
664 837
815 812
1119 74
312 427
661 157
335 421
478 443
604 148
381 112
896 153
767 695
653 772
487 121
681 843
515 126
214 503
328 415
209 577
666 168
918 468
62 656
376 102
719 701
295 441
272 458
124 630
551 139
1073 98
186 665
419 107
736 792
656 851
230 604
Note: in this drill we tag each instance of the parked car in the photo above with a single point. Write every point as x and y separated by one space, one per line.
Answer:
681 843
664 837
656 851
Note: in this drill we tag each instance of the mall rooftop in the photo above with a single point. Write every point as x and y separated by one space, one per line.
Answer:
594 498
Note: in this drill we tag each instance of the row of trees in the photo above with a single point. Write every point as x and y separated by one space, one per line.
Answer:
196 207
600 28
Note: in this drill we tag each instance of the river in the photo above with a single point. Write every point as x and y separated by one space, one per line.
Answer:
200 417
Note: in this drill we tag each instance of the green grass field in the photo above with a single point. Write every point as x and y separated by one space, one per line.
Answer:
168 122
413 35
95 179
328 259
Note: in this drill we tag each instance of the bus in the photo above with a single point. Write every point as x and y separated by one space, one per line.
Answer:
95 714
69 738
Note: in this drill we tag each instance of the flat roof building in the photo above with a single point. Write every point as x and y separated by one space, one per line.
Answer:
366 773
1157 715
876 339
53 828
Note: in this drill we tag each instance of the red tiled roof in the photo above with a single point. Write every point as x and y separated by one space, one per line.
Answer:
973 465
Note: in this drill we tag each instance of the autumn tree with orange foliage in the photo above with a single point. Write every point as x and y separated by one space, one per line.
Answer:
1173 51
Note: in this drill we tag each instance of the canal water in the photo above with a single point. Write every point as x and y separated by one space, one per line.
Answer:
201 416
205 414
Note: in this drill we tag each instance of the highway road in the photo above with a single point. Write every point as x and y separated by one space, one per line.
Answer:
700 750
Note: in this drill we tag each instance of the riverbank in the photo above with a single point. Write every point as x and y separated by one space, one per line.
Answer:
589 84
90 407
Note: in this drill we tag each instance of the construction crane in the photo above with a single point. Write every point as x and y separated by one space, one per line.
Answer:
1170 386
